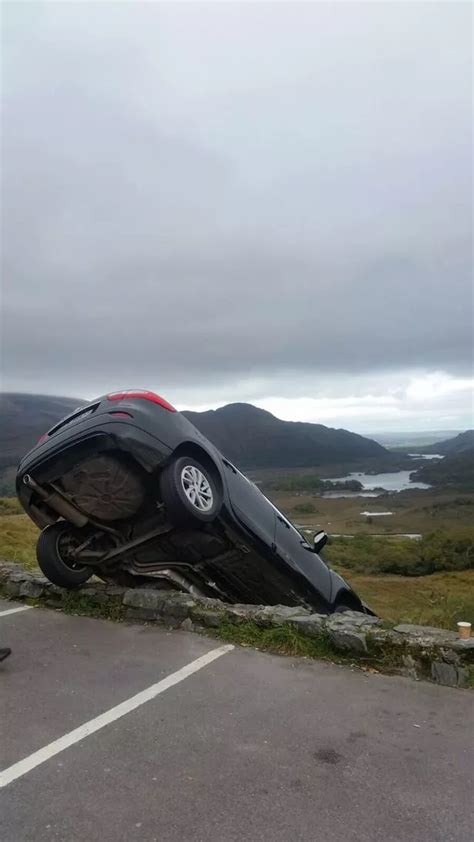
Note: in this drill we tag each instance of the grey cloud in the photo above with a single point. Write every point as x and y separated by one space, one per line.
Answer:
199 194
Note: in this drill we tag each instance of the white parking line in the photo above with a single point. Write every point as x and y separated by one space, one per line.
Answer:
15 610
43 754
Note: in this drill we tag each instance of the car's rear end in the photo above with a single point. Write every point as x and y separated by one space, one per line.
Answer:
96 462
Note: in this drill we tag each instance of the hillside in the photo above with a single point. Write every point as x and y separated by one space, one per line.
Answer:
24 418
249 436
455 471
458 444
254 438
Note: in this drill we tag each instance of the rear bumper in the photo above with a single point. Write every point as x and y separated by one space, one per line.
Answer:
51 460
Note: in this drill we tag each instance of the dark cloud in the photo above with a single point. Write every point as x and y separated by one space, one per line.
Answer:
204 195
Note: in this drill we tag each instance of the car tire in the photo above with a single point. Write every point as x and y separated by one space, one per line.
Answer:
189 492
51 553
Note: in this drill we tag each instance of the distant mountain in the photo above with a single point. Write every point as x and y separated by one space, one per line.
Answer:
412 441
253 438
24 418
455 471
461 442
247 435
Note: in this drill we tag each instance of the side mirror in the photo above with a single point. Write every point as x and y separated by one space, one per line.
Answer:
319 541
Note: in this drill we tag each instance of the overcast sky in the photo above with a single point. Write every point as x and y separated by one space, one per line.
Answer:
258 202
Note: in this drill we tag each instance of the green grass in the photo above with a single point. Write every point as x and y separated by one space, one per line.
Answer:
441 599
18 536
77 603
284 639
10 506
289 640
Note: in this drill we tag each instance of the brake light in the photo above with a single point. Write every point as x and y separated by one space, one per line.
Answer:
143 395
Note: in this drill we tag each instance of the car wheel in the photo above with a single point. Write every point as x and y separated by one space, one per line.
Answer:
53 552
189 492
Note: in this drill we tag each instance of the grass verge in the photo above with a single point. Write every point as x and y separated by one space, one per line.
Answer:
282 640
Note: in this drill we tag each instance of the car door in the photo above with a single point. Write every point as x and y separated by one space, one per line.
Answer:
249 505
292 549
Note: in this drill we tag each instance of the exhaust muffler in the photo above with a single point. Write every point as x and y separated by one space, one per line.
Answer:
57 502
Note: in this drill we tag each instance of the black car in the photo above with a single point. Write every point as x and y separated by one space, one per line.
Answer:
126 488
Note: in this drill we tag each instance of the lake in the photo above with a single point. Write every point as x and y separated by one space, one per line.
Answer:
397 481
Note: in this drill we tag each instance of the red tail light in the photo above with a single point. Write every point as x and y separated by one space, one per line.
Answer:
144 395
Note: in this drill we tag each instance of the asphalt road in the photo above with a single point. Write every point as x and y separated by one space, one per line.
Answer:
248 747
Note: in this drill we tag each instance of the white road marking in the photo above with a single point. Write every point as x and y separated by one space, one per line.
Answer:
43 754
15 610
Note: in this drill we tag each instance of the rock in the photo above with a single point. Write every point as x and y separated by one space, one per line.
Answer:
410 665
144 603
310 625
209 602
241 613
427 634
285 614
149 604
54 592
352 619
145 598
187 625
449 656
8 570
464 649
448 674
114 591
176 609
349 640
21 576
31 589
262 615
205 617
97 596
385 637
12 589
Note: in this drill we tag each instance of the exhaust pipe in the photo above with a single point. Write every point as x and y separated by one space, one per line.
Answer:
57 502
177 579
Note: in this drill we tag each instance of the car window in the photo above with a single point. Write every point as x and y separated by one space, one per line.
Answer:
288 523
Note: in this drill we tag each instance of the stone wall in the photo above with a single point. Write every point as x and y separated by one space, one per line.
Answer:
417 651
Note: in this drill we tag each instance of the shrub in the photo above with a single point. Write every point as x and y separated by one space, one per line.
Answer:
451 549
305 509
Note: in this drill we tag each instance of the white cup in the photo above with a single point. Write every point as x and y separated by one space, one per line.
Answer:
464 630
